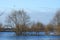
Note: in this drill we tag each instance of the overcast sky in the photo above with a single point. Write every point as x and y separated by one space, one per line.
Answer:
39 10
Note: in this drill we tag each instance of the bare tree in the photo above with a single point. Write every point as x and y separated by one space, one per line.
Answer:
20 19
56 19
56 22
1 27
1 23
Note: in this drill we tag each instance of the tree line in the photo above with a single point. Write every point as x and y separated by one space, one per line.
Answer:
20 20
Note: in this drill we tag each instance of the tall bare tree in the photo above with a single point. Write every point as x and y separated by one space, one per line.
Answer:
56 22
56 19
20 19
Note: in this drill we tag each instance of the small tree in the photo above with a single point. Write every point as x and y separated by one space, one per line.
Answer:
37 27
49 28
40 26
57 29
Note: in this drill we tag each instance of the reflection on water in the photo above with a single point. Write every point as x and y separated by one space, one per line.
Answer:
11 36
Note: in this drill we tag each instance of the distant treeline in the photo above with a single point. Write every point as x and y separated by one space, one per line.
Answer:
20 21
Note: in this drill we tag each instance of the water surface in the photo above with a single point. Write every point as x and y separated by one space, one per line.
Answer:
12 36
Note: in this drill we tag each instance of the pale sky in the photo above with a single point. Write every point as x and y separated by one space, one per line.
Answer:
39 10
